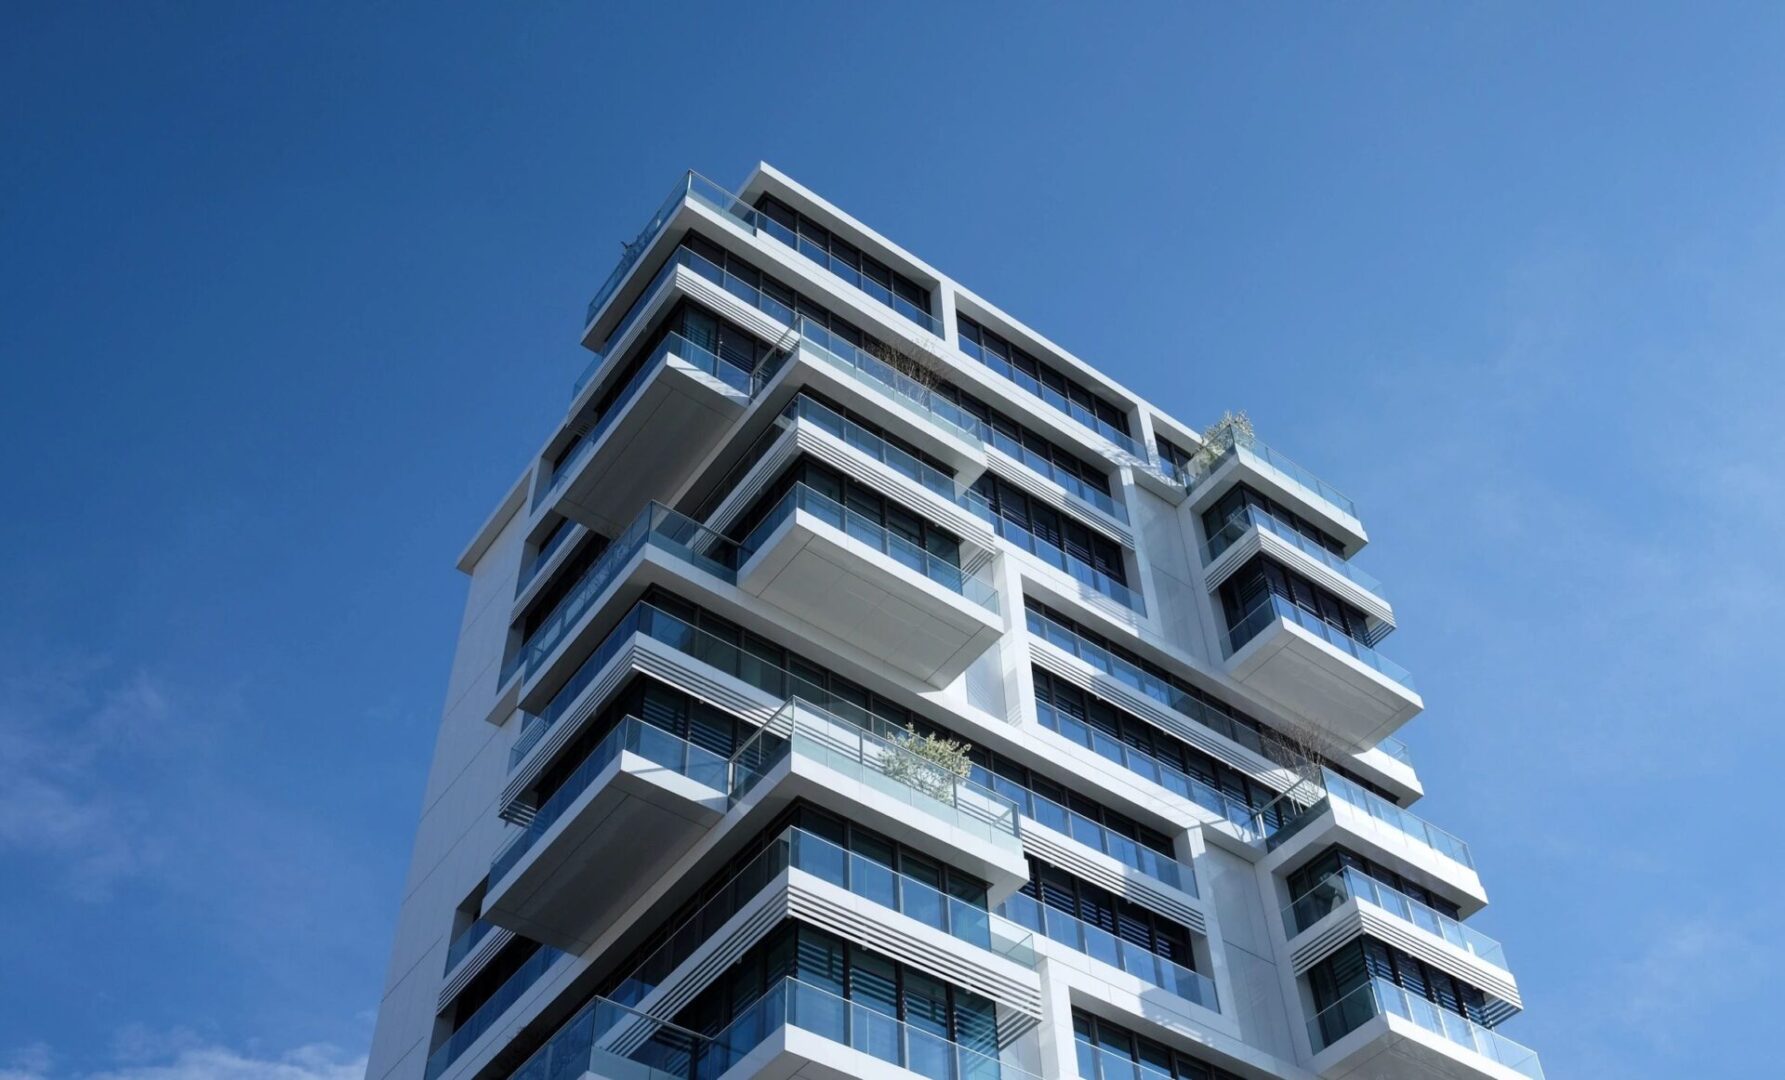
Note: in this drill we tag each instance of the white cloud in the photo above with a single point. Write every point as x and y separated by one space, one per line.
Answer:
207 1062
61 730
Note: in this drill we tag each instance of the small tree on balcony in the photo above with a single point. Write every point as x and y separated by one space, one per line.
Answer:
1233 429
920 367
930 764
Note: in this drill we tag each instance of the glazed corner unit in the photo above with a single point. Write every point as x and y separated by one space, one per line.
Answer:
857 684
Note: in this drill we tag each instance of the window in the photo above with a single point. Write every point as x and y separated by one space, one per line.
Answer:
658 705
845 260
1010 503
840 973
1108 1051
1031 447
1045 381
1175 457
1092 722
1336 858
564 579
1356 963
1101 908
1251 583
1240 497
864 503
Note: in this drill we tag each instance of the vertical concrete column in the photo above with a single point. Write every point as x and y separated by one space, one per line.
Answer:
1019 675
945 310
1058 1055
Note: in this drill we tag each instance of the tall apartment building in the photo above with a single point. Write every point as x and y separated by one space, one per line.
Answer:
815 510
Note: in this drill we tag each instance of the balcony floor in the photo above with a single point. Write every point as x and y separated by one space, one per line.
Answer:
816 572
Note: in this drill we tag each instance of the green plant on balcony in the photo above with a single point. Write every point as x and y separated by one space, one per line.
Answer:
929 764
1233 429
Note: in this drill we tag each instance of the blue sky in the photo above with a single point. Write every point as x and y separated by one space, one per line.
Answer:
290 294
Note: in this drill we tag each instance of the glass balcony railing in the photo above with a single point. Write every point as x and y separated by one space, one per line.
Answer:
637 247
1077 487
1273 607
1379 997
1404 821
607 1039
467 940
1311 800
1271 459
947 574
1076 568
885 379
715 652
872 1029
672 344
957 917
801 850
1396 749
1060 402
697 188
900 461
657 526
1348 883
803 729
850 274
1100 944
1171 470
490 1011
1250 517
631 734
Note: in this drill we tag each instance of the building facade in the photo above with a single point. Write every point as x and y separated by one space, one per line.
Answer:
856 684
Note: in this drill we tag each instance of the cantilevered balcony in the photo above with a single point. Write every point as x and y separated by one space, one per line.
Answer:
471 1029
1252 461
1313 816
1335 682
860 378
800 872
638 800
1253 530
1349 903
1385 1032
922 486
873 777
670 412
852 577
656 527
609 1040
694 194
